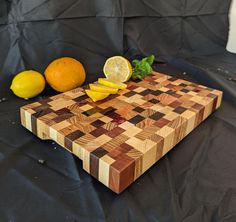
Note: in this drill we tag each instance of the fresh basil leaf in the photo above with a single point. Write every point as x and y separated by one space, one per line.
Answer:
148 68
142 66
150 59
135 62
144 60
140 77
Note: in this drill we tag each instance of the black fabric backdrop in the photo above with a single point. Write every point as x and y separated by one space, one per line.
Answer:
196 181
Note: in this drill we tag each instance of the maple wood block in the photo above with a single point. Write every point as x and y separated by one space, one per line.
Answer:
121 137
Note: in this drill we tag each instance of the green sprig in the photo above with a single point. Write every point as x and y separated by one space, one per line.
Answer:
142 68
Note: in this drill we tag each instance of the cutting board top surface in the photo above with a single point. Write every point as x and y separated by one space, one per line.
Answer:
122 136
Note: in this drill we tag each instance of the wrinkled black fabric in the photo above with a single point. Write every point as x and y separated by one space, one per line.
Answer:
35 32
196 181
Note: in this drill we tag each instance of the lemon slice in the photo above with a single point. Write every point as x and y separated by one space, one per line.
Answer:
118 68
96 96
112 84
102 88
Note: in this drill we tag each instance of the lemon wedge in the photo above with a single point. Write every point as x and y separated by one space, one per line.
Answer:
112 84
102 88
96 96
118 68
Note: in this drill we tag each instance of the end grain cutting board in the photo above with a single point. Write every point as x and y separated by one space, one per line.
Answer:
121 137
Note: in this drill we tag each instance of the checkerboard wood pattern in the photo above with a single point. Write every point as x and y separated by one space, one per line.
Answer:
121 137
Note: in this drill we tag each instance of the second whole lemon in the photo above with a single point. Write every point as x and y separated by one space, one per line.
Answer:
28 84
65 74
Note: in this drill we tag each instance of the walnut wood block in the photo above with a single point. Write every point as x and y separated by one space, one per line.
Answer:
121 137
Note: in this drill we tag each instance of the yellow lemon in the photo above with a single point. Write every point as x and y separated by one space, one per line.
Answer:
118 68
102 88
112 84
28 84
96 96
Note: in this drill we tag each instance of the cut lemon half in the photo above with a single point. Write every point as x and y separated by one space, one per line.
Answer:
102 88
118 68
96 96
112 84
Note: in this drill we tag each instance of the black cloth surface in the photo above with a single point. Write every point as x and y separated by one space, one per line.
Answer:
196 181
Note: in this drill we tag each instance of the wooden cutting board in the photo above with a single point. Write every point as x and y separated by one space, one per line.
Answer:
121 137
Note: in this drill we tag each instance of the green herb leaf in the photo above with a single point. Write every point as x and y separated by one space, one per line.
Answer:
135 62
142 68
150 59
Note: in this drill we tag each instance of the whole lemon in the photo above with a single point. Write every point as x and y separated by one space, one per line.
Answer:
28 84
64 74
